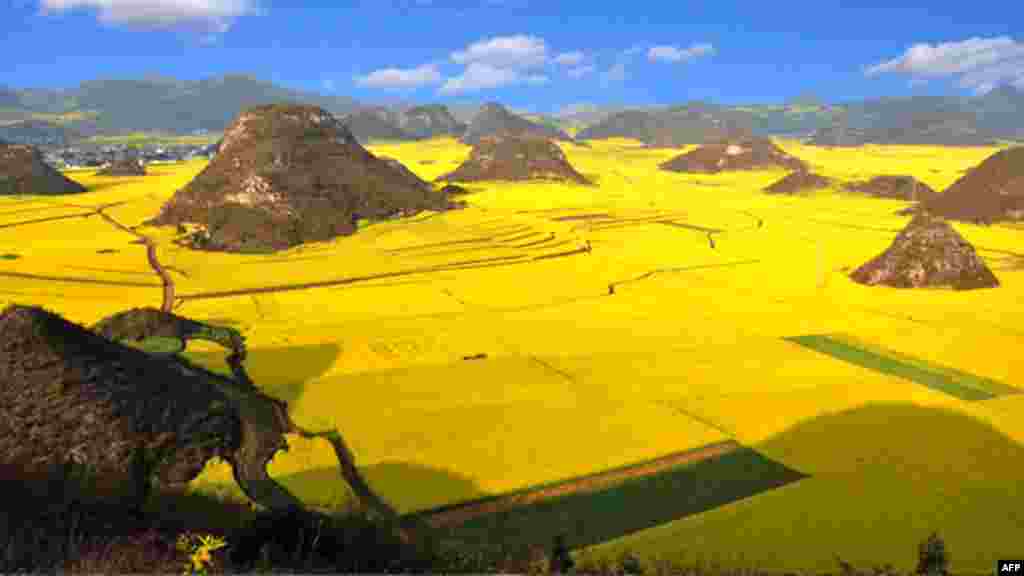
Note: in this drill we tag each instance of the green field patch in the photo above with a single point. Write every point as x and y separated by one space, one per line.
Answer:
10 256
962 385
611 504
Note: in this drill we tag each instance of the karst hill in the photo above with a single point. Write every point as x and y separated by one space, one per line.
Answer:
286 174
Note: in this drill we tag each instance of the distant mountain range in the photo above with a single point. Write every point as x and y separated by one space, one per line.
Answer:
166 105
153 104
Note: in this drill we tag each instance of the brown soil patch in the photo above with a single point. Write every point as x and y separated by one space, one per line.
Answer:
991 191
290 174
516 158
739 154
928 252
23 171
460 513
897 187
592 216
798 182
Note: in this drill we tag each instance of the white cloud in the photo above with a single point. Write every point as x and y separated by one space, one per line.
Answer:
214 16
580 71
496 62
980 63
676 54
478 76
400 77
518 51
569 58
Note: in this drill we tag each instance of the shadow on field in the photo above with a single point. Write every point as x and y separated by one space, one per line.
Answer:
280 372
901 470
586 519
406 485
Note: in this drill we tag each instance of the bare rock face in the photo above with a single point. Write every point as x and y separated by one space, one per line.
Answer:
897 187
71 395
928 252
288 174
124 167
23 171
991 191
515 157
739 154
798 182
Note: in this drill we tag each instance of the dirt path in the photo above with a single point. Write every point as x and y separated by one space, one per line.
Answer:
454 515
644 276
151 256
165 278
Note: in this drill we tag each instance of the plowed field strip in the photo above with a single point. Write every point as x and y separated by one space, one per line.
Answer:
44 207
548 238
623 502
958 384
482 263
77 280
690 226
592 216
455 514
47 219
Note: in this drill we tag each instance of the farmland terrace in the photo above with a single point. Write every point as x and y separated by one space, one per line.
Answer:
660 358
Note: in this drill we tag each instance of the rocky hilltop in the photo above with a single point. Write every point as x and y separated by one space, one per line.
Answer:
23 171
928 252
734 154
287 174
515 157
991 191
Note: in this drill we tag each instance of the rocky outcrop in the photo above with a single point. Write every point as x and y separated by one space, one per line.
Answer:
290 174
991 191
132 418
928 252
729 155
797 182
23 171
515 157
896 187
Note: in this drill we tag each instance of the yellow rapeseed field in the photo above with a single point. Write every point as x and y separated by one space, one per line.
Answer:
666 335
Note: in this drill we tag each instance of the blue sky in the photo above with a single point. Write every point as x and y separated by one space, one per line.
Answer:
543 56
